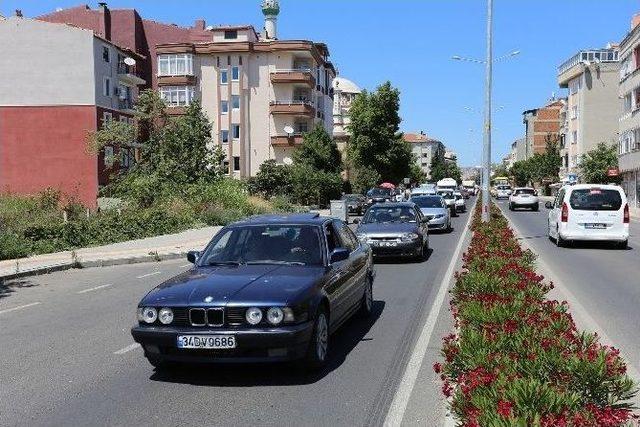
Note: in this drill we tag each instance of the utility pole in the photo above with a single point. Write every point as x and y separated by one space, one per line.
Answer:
486 171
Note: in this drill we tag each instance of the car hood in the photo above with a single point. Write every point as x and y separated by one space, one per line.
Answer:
391 228
433 211
244 284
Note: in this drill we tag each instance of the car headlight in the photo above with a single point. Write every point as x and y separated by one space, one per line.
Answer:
165 315
369 200
254 315
439 216
362 237
409 237
275 315
147 314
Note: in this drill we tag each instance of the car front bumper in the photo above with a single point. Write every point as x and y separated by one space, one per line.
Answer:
252 345
399 249
437 223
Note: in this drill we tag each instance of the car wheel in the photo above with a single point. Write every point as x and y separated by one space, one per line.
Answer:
622 245
560 242
449 228
510 206
318 349
366 307
536 207
160 363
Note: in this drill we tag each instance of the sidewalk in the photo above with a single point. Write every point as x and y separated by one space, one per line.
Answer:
158 248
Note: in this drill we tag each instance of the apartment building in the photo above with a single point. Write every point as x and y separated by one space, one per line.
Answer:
344 93
60 83
541 124
629 121
592 106
424 149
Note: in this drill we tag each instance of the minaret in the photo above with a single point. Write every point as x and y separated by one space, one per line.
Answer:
338 121
270 9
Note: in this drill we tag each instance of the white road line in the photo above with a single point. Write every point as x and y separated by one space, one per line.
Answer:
127 348
185 265
19 307
403 394
148 274
84 291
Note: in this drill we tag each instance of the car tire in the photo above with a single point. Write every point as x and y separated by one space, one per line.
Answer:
316 356
366 306
510 206
160 363
449 227
622 245
560 242
536 207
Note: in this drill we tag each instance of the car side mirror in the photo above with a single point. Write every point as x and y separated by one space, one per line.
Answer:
339 254
192 256
548 205
535 193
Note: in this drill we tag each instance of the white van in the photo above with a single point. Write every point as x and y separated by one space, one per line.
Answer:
589 212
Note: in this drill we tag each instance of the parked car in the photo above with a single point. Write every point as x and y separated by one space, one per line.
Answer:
589 212
459 202
379 195
422 191
434 208
355 203
268 288
450 200
523 197
395 229
502 191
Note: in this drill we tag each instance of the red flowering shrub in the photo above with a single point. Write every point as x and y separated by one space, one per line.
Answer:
518 358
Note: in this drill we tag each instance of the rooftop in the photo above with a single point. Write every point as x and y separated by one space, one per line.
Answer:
608 54
417 138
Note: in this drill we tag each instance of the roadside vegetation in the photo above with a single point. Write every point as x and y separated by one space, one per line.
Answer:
517 358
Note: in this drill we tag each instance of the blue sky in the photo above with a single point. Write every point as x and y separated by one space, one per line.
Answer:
410 43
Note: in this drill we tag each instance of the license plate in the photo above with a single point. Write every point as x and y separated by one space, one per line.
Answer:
206 341
386 244
596 226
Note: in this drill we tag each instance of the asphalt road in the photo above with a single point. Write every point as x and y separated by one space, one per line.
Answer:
603 280
67 355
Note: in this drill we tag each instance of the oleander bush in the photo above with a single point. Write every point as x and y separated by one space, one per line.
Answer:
517 358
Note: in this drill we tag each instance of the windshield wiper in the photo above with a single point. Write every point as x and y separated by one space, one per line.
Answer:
234 263
274 262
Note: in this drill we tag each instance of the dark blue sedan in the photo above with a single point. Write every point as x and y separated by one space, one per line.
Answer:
268 288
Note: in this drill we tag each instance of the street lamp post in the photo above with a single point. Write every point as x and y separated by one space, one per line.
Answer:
486 158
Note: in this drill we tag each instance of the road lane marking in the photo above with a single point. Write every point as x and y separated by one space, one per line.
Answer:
148 274
127 348
95 288
20 307
403 393
185 265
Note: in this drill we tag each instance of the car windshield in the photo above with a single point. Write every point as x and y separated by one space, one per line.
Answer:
504 187
379 192
264 244
385 214
524 191
595 199
458 196
428 201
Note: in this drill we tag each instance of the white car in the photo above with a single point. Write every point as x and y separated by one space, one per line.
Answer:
589 212
503 191
460 204
523 197
422 191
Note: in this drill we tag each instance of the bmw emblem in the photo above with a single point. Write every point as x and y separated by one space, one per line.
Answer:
208 299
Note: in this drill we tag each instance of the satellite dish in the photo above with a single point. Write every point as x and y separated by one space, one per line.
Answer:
129 61
287 161
288 130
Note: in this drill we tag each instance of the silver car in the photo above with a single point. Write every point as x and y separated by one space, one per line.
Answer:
435 209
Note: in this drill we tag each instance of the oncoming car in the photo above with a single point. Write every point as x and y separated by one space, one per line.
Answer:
268 288
589 212
435 210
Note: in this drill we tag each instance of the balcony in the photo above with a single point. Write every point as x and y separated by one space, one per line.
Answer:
569 70
129 74
293 107
293 140
126 104
295 75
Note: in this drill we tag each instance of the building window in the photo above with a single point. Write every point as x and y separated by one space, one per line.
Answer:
106 57
574 112
235 74
301 127
225 165
175 65
627 103
177 96
224 107
224 136
230 34
224 76
235 102
106 87
574 137
240 60
575 85
235 130
236 163
108 156
106 117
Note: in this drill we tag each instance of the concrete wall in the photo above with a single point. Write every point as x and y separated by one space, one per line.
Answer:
600 107
45 64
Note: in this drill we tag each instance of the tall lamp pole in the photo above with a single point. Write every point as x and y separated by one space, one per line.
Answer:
486 158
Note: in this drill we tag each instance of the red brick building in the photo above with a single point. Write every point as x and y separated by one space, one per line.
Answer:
541 124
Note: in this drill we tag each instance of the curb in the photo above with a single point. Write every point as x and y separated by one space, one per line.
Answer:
107 262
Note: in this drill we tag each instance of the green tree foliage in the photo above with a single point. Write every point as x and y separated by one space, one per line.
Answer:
363 179
440 168
594 164
542 168
521 172
319 151
271 180
376 143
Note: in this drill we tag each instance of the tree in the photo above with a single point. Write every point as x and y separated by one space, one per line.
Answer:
521 172
364 178
594 164
440 168
319 151
272 179
376 144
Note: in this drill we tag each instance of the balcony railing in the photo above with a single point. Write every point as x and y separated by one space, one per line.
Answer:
130 73
125 104
598 55
293 139
294 75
